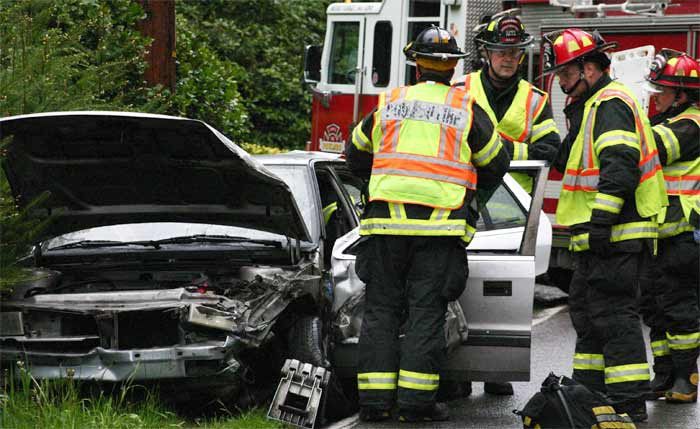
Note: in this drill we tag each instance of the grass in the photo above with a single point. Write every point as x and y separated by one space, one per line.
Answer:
28 403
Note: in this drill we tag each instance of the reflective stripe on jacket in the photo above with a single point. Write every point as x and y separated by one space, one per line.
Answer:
579 195
383 217
682 177
518 122
419 141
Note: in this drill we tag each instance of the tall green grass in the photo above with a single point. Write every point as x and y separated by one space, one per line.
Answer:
46 404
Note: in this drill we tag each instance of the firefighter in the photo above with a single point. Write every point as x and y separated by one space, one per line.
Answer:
670 304
422 149
612 191
520 111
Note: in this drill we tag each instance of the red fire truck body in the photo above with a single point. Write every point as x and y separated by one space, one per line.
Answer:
362 57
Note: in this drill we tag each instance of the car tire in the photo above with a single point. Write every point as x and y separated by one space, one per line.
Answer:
560 277
306 344
305 340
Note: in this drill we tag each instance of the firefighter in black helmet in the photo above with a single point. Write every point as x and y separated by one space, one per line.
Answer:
520 111
422 150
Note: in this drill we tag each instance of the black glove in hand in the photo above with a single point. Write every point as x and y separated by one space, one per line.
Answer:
599 239
508 145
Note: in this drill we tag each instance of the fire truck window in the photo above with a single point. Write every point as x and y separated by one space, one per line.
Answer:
414 29
424 8
341 70
381 59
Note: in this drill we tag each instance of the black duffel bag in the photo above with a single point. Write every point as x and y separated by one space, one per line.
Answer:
564 403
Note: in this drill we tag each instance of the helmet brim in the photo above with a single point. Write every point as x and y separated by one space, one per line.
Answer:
605 47
651 88
499 46
438 56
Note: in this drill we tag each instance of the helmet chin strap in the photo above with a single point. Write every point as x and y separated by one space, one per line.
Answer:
574 86
676 98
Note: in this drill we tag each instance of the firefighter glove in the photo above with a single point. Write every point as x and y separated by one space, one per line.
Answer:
599 239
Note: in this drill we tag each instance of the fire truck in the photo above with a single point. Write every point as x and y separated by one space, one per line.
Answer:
362 57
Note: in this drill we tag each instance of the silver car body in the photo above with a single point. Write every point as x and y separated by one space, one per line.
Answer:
489 331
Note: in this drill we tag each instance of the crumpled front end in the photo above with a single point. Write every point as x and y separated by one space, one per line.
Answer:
141 335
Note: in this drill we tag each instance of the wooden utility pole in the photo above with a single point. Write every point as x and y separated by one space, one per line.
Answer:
159 25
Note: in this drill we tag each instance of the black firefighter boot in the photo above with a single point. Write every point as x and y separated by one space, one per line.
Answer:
685 387
663 377
685 383
500 389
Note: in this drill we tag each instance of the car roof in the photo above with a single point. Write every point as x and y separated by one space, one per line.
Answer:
298 157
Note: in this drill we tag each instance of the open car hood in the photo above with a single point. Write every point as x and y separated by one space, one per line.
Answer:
107 168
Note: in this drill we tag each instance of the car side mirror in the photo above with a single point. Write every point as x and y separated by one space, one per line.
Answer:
312 64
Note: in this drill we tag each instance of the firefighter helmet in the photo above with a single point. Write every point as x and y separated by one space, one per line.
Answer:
434 48
571 45
503 30
674 69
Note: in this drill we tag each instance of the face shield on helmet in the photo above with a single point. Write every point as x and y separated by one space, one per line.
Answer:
435 49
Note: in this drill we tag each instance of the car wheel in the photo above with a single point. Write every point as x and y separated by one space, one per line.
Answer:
305 340
560 277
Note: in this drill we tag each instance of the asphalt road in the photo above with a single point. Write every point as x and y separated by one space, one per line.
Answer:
553 344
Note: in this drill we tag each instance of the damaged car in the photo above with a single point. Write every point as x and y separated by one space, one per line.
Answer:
171 255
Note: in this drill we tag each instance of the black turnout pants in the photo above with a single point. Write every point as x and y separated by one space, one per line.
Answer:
409 281
610 354
670 302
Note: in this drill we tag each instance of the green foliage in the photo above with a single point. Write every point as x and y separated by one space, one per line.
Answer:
258 149
17 231
72 55
265 39
207 87
29 403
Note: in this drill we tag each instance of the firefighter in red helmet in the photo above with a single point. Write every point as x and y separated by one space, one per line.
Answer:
611 193
422 150
670 293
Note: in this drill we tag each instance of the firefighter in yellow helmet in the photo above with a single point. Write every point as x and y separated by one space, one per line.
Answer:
521 111
670 296
422 149
612 191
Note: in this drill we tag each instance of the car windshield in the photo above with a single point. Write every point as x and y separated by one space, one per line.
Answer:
297 177
154 231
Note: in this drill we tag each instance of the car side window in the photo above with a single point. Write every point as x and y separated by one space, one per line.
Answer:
353 186
501 211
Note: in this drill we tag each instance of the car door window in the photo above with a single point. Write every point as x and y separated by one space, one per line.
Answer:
501 211
353 186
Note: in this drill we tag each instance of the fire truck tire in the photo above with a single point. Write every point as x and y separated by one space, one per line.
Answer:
560 277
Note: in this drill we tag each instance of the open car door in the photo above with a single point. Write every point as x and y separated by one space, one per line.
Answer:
498 301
